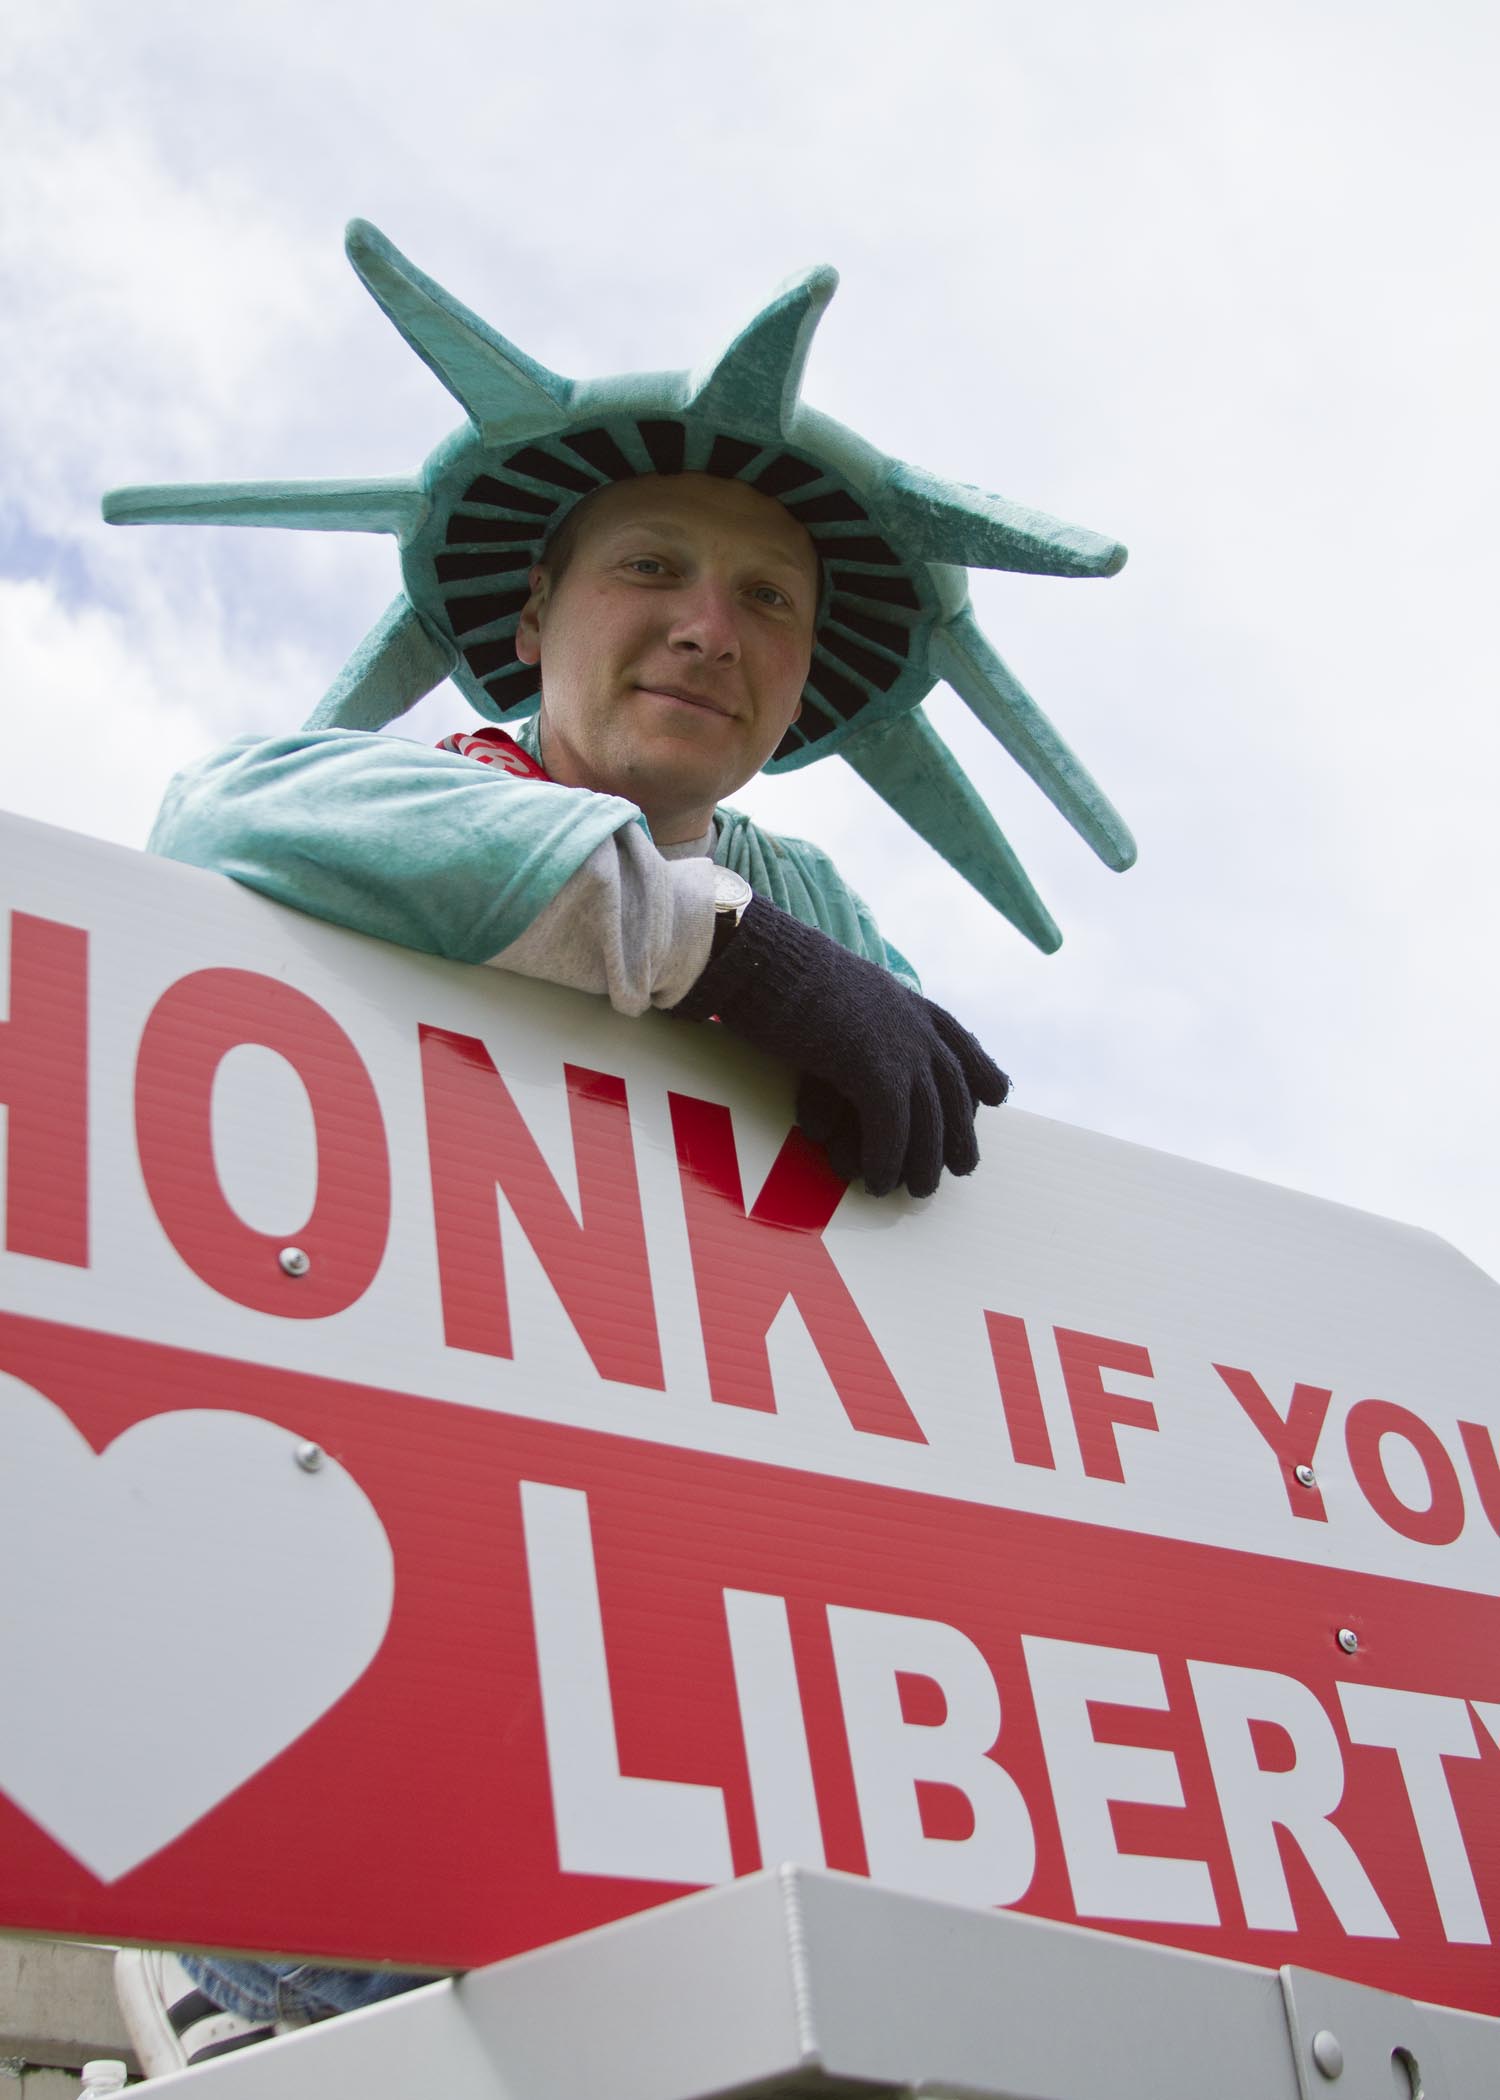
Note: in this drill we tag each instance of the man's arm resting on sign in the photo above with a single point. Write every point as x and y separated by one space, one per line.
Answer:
427 849
416 846
436 852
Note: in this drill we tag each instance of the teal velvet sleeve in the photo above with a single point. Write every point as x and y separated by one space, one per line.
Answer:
391 838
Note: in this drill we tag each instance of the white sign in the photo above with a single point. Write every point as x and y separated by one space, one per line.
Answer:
1107 1535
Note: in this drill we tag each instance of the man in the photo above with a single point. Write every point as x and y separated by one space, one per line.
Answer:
673 629
684 608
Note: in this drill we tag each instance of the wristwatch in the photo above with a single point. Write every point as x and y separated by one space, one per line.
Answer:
731 894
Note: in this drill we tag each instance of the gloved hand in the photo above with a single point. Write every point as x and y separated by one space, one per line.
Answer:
890 1082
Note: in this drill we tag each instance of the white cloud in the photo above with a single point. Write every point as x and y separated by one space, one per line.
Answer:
100 708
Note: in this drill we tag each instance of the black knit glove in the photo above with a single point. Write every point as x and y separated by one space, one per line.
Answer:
890 1082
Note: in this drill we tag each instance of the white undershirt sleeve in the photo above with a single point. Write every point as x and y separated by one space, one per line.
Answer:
635 923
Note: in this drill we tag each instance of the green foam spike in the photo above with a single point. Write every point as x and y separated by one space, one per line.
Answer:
944 521
754 385
397 507
962 656
398 661
911 768
496 384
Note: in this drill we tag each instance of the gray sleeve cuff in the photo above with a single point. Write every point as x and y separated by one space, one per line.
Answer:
628 924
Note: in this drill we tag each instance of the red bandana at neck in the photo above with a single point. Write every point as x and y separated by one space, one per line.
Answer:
492 747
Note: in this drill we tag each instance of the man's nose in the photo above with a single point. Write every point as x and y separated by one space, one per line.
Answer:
706 621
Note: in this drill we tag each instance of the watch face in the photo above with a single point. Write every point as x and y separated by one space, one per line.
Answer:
731 891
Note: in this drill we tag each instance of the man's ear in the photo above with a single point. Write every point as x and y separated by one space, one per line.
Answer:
529 632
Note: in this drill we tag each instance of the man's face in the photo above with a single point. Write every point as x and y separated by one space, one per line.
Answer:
675 644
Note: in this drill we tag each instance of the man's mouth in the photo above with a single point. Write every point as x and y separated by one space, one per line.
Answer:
709 703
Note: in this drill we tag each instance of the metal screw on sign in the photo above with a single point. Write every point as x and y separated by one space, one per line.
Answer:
1405 2061
309 1457
294 1261
1348 1640
1328 2052
1306 1477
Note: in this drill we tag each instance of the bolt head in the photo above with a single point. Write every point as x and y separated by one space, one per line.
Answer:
309 1457
1306 1477
294 1261
1328 2052
1348 1640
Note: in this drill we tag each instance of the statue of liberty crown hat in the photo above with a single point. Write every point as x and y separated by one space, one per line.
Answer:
893 541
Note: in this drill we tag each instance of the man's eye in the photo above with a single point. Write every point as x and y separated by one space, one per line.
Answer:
647 565
768 594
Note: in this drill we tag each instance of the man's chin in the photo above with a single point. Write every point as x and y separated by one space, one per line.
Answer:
663 772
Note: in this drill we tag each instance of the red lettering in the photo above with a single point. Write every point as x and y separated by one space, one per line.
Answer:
192 1028
44 1086
944 1811
747 1264
1480 1447
1020 1396
922 1700
597 1262
1369 1424
1097 1412
1293 1439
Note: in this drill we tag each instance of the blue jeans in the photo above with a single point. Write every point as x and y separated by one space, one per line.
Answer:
288 1990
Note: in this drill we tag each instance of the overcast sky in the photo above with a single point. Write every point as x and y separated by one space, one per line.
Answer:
1218 280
